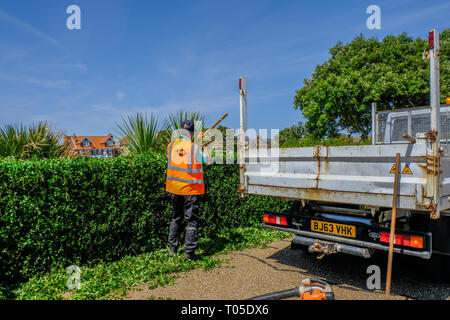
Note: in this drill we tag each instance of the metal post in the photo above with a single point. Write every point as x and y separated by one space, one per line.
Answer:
374 123
242 131
435 115
409 124
434 85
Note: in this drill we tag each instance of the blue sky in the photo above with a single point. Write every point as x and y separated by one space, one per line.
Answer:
162 56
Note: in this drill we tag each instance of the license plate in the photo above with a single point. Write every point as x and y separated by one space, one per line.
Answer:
333 228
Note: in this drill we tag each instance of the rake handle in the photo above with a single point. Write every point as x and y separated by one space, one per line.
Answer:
215 124
393 219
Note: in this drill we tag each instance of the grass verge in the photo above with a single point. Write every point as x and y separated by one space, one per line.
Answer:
113 280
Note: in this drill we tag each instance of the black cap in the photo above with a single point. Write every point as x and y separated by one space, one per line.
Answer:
188 125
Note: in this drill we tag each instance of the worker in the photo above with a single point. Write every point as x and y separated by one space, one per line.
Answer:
186 184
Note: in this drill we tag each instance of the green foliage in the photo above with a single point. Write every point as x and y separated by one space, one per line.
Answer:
390 72
39 140
310 141
297 136
113 280
291 134
78 211
445 64
175 120
139 133
142 134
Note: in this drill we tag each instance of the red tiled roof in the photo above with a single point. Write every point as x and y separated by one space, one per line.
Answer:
96 142
124 140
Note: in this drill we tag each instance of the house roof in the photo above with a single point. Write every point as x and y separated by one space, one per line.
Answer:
96 142
124 140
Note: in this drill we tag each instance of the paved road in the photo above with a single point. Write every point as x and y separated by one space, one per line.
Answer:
254 272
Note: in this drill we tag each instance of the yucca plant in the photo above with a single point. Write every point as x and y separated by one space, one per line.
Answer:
12 141
139 133
39 140
174 121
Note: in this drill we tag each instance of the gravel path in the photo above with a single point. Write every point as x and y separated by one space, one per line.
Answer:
253 272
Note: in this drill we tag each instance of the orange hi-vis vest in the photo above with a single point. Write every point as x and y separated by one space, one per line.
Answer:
184 173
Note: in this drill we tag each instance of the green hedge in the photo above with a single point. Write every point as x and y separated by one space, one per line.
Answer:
82 211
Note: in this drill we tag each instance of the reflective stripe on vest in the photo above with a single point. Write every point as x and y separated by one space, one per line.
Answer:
184 180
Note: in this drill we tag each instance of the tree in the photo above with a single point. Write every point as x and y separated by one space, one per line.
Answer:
390 72
293 133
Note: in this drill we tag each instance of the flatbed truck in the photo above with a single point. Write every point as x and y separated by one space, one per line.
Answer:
343 195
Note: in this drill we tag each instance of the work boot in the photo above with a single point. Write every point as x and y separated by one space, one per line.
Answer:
190 256
172 252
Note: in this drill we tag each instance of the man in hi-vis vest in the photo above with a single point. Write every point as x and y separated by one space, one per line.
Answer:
185 183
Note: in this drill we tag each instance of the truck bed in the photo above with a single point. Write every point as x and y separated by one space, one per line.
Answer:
361 174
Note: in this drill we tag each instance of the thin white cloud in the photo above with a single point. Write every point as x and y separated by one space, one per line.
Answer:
28 28
81 67
120 95
11 107
169 69
10 56
108 109
51 67
60 83
209 105
414 17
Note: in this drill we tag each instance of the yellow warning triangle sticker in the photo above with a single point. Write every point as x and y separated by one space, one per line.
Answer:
407 170
393 169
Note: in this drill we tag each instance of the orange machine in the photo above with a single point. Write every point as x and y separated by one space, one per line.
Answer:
309 289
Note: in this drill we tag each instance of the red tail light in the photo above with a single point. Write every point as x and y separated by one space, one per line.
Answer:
403 240
431 39
384 237
267 218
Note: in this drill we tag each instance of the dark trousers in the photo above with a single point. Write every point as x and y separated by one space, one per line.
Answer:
184 208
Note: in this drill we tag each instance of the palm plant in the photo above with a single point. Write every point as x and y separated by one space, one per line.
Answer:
175 120
12 141
139 133
38 140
